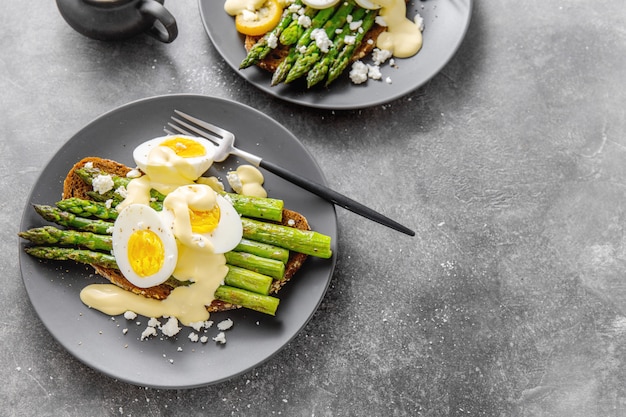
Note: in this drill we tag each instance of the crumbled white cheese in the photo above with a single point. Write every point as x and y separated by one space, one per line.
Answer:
304 21
133 173
354 26
379 56
373 72
89 165
102 183
295 8
130 315
153 322
321 39
419 21
302 49
225 324
204 339
380 21
234 181
125 330
388 80
109 203
171 328
197 326
193 337
272 40
121 191
220 338
291 222
149 331
358 73
349 39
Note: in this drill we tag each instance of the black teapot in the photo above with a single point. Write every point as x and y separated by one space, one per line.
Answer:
111 20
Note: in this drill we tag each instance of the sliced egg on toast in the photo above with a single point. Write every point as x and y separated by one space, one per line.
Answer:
144 246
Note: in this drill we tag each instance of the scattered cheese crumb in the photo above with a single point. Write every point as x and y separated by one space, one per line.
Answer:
149 331
220 338
379 56
153 322
102 183
321 39
358 73
193 337
130 315
121 191
419 21
380 21
171 328
304 21
272 40
133 173
204 339
234 181
225 324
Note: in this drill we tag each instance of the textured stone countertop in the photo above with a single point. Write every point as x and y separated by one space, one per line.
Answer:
509 165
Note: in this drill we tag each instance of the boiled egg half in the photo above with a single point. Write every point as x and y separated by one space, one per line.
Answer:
202 219
144 246
174 155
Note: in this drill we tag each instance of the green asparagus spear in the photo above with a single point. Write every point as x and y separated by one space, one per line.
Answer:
343 59
49 235
263 46
82 256
270 267
321 67
263 249
248 280
63 218
262 303
87 208
285 65
305 61
294 31
303 241
257 207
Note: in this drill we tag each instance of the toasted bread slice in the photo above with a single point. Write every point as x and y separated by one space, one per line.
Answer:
273 59
73 186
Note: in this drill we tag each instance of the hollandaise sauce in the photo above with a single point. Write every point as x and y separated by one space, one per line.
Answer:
403 37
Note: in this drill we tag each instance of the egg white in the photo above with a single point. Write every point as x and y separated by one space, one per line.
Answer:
142 217
200 164
320 4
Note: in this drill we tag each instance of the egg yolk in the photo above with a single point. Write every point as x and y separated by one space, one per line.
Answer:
184 147
145 252
204 221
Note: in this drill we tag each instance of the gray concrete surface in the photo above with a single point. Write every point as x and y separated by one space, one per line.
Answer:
509 164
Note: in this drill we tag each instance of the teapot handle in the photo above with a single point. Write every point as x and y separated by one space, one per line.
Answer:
164 27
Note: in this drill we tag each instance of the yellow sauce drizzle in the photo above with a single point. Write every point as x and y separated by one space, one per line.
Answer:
402 37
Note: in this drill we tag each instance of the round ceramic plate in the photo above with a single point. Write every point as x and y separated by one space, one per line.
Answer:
445 25
98 340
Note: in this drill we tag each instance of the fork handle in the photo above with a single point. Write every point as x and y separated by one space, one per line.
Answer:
334 197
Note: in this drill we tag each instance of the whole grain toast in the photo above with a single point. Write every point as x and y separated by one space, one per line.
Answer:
276 55
74 186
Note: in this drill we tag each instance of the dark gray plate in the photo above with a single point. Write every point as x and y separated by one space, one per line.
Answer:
446 22
95 338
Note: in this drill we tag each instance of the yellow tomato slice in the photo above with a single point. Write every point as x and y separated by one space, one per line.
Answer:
261 21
